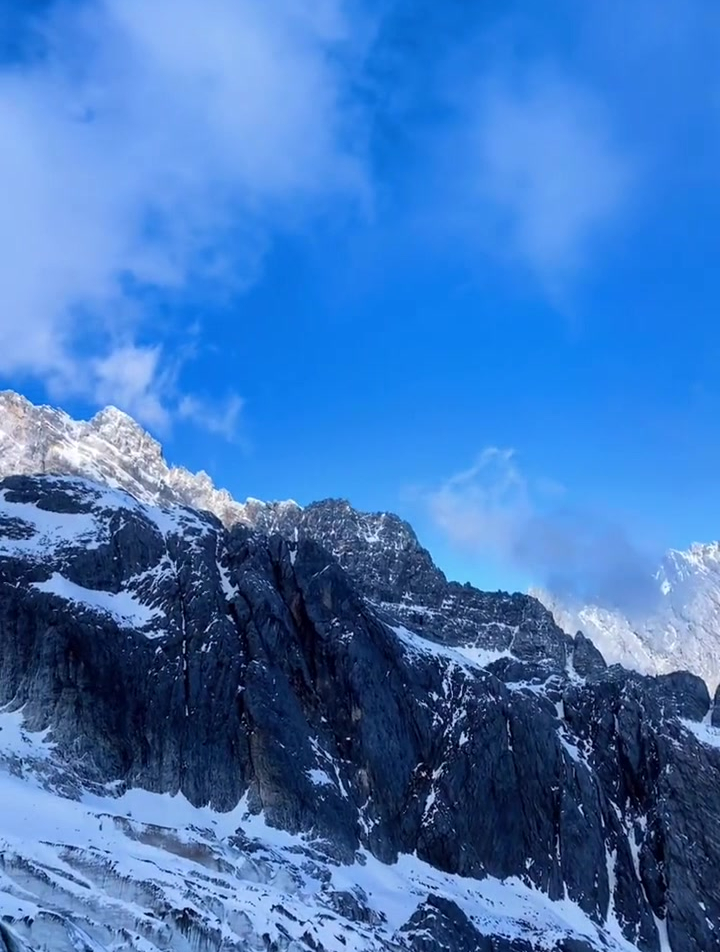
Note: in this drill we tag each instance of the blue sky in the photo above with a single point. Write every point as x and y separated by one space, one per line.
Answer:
454 260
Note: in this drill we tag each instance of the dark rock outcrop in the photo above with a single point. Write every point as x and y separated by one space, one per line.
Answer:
440 924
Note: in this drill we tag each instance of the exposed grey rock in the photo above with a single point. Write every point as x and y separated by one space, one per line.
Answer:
353 906
162 650
586 659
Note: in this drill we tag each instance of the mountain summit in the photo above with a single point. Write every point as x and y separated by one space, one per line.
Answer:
113 449
679 628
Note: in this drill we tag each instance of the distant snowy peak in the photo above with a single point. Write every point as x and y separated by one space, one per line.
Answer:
701 559
114 449
679 629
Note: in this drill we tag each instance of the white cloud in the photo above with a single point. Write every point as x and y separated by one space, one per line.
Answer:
220 418
494 510
131 376
484 507
155 142
548 171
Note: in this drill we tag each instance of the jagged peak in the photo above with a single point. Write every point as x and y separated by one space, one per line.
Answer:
113 448
116 423
333 502
288 504
13 401
11 397
114 416
705 550
340 504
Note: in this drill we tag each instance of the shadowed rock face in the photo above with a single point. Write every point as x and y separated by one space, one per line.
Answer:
164 651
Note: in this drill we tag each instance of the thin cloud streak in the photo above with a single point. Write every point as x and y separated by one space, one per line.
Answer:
548 172
221 418
494 510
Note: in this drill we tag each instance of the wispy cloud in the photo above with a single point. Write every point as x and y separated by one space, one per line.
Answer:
548 170
221 418
493 509
148 144
482 507
131 376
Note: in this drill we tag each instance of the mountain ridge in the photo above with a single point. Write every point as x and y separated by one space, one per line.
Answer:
112 448
681 629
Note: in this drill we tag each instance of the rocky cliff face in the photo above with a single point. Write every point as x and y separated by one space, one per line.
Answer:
382 555
219 739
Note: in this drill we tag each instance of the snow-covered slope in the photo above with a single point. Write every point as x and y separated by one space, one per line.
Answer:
144 872
679 629
112 449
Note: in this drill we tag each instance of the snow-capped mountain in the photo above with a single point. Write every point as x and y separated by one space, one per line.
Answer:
679 629
283 729
214 740
115 450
